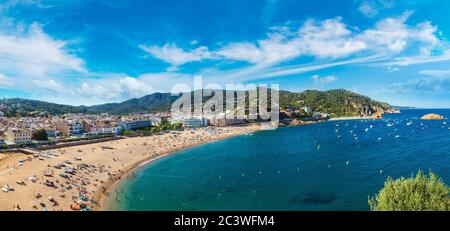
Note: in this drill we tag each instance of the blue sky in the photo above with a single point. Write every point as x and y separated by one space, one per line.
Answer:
90 52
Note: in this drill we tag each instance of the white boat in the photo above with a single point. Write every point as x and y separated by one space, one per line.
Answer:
32 179
8 187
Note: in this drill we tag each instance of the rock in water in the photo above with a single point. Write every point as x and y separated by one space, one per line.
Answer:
432 116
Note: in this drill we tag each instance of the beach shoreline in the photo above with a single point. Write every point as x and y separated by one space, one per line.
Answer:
128 155
101 197
107 164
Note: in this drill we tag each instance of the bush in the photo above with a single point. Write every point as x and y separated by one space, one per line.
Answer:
40 135
417 193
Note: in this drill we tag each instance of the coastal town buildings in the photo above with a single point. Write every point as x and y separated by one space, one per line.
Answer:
106 130
224 119
222 122
135 124
21 129
70 128
52 132
307 110
194 122
18 135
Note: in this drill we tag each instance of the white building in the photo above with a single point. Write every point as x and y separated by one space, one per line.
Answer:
193 122
18 135
307 110
135 124
70 128
104 131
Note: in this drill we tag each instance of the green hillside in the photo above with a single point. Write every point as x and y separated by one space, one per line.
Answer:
339 102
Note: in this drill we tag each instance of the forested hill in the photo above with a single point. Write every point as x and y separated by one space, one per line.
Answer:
339 102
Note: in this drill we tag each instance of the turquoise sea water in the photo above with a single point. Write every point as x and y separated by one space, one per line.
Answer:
294 168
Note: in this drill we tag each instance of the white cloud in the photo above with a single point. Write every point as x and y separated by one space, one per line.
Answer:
116 87
176 56
436 73
422 85
134 87
437 81
242 52
97 90
368 9
393 35
418 59
50 85
324 40
371 8
323 80
329 39
9 4
4 81
30 52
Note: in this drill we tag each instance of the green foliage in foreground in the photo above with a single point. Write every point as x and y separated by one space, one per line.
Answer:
165 125
416 193
40 135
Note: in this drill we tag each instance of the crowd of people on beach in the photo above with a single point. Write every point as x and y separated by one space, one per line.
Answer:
76 178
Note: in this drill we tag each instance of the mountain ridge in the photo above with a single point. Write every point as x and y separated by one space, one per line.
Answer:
340 102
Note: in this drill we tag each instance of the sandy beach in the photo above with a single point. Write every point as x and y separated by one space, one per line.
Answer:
79 177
